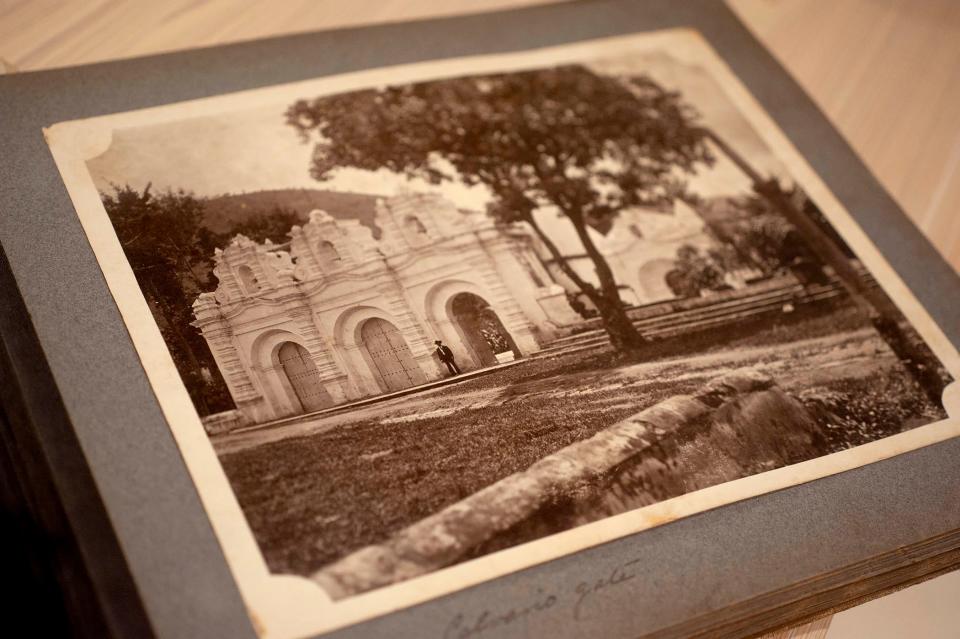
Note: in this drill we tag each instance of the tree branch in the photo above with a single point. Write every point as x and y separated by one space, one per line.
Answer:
588 289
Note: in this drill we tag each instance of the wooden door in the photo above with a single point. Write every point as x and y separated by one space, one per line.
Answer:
304 377
390 354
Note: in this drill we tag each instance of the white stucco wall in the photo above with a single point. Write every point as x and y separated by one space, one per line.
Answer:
318 290
640 248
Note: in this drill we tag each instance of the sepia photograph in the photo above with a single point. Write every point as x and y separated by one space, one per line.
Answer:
422 321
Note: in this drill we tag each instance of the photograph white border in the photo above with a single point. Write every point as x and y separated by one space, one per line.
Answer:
288 607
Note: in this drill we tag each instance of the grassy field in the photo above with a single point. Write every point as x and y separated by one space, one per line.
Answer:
315 491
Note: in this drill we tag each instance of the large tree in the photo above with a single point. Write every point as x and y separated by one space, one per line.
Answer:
272 224
166 240
566 139
820 238
168 248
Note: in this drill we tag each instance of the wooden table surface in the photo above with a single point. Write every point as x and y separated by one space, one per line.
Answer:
886 72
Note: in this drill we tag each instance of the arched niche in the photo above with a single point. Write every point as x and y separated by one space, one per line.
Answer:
303 376
652 279
453 331
267 367
248 280
482 329
327 253
362 366
388 355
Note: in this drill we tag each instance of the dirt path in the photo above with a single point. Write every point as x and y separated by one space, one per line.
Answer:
316 490
814 360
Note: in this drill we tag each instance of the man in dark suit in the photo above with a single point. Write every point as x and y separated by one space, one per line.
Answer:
446 356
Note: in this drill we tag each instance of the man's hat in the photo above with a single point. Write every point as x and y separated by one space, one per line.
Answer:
436 341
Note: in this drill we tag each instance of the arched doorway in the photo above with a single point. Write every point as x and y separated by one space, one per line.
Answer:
389 355
304 377
653 281
483 332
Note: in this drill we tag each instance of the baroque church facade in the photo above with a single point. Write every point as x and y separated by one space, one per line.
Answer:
344 311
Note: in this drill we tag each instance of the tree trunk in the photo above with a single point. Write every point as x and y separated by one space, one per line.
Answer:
181 342
623 334
588 289
883 313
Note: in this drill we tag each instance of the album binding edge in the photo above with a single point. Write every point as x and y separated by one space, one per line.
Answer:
72 575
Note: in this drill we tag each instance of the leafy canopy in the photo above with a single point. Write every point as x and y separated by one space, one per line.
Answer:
586 143
167 243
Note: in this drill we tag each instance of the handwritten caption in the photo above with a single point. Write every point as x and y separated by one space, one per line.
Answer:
575 601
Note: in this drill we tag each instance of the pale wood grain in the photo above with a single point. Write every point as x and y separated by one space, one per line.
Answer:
887 72
814 630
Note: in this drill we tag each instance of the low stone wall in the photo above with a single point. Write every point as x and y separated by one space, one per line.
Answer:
736 425
224 422
679 304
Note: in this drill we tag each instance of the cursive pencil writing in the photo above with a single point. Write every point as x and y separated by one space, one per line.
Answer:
472 626
587 589
462 627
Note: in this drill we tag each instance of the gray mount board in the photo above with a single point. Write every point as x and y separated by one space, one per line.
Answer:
684 569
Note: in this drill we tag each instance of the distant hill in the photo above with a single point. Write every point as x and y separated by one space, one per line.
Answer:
223 212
